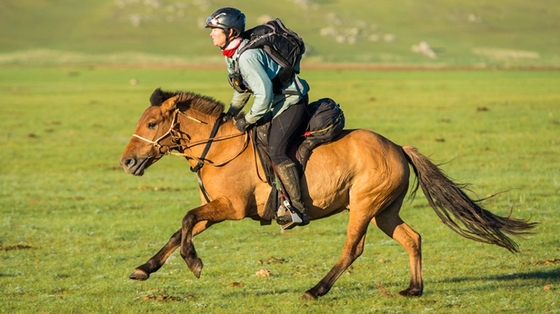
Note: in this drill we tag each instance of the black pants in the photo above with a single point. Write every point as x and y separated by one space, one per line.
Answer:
284 129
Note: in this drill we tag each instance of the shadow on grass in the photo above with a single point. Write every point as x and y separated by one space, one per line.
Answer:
552 274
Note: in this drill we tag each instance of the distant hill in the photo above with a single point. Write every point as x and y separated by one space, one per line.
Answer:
504 33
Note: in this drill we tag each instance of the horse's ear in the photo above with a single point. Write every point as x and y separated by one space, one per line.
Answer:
157 97
170 104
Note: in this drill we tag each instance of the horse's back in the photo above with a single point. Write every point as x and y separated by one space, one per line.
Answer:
356 147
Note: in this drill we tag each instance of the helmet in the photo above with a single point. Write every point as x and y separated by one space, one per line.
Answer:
226 19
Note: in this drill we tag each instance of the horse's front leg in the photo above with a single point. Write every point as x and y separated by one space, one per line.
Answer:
216 211
143 271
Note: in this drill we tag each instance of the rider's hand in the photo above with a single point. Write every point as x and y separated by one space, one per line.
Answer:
241 124
226 117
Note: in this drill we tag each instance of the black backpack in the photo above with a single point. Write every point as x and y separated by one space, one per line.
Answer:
283 45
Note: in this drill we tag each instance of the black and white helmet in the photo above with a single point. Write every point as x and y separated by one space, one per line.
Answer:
226 19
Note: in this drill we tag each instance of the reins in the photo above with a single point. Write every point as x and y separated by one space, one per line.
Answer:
209 142
200 163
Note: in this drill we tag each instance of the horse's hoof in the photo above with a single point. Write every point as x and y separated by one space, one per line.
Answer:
196 267
139 274
308 296
411 292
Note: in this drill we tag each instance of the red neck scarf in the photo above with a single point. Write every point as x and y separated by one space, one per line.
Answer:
231 48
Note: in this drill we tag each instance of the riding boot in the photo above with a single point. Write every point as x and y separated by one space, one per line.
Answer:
289 176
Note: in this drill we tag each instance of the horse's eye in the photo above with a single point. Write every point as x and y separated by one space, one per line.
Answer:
152 125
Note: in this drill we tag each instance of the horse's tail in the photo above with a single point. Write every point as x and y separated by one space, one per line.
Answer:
451 204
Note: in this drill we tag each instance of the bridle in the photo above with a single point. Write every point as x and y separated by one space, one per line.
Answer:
202 160
175 134
171 132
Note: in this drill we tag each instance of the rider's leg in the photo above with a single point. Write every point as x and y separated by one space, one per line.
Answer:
283 130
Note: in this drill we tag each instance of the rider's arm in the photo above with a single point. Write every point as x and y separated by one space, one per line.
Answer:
237 102
256 71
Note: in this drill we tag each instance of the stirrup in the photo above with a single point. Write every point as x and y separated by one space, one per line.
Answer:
288 216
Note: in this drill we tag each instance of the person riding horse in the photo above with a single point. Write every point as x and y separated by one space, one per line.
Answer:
285 105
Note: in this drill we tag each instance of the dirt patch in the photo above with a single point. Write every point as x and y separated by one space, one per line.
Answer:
554 261
165 297
272 260
383 290
161 296
15 247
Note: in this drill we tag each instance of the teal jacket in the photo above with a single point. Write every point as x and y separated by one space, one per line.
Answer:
258 70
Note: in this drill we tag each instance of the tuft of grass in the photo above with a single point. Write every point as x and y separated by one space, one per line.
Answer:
73 225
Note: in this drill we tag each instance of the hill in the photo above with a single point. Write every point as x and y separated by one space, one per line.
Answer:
503 33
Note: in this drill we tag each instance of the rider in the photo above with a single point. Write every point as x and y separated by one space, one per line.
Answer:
287 107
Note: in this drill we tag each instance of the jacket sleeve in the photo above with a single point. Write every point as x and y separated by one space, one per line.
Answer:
253 68
238 101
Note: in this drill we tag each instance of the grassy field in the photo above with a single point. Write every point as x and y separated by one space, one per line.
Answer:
73 225
475 33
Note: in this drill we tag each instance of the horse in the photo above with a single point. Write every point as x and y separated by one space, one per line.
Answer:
361 172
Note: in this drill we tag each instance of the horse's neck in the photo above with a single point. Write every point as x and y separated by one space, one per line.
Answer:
196 124
219 149
199 126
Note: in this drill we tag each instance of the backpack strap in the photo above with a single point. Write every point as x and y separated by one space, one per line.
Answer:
286 74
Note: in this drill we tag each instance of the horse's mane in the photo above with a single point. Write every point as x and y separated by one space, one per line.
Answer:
204 104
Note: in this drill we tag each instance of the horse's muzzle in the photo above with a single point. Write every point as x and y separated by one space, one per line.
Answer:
135 166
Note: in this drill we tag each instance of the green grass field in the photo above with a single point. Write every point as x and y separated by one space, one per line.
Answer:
73 225
473 33
75 76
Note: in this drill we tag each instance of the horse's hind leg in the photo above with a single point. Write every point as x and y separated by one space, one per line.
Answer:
390 223
353 248
143 271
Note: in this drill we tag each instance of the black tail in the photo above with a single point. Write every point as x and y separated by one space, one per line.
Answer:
451 203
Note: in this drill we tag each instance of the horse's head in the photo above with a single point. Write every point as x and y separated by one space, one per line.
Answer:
153 136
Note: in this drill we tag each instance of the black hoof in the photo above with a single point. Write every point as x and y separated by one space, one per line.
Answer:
308 296
139 274
411 292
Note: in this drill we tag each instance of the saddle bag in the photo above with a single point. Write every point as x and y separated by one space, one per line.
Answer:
326 123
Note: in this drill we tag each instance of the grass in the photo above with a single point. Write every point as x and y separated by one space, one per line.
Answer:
503 33
73 225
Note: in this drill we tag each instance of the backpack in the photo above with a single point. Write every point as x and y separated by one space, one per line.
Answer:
283 45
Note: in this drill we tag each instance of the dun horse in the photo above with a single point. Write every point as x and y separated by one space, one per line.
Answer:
367 174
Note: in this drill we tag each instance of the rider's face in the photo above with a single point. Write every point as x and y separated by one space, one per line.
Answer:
218 37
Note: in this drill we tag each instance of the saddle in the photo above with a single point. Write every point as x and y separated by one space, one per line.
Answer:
259 135
324 122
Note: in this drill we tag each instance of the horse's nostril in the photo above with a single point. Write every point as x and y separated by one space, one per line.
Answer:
129 162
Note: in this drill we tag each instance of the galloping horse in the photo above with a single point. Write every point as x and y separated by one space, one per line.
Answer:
361 171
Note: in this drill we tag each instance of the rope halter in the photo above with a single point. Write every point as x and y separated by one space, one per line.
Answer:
174 123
